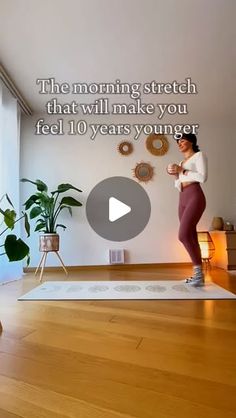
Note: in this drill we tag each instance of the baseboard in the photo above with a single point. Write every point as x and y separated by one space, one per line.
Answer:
114 267
231 267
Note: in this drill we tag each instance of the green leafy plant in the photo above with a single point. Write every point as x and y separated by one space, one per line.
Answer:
14 248
47 206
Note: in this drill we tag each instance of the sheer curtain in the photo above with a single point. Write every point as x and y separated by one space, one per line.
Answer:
9 169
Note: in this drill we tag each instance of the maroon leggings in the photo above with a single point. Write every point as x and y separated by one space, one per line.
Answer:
192 204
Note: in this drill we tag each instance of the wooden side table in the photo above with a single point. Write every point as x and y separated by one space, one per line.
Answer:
225 249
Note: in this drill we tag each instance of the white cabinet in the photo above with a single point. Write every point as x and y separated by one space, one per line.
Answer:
225 249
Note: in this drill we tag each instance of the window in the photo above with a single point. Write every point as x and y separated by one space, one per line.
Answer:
9 166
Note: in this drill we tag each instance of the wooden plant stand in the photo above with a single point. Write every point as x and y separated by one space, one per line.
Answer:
43 262
48 243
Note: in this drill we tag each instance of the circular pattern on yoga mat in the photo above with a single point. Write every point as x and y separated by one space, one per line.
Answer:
98 288
74 288
180 288
54 288
156 288
127 288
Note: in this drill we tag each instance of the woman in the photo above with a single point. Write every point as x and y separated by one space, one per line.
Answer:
189 174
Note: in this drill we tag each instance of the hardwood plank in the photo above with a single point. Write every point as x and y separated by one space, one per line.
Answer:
181 386
110 359
202 362
54 403
140 324
5 414
11 404
181 358
120 398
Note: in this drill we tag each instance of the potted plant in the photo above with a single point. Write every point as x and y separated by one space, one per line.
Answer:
11 246
14 248
47 206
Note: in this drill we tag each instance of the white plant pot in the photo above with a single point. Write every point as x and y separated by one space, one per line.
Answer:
49 242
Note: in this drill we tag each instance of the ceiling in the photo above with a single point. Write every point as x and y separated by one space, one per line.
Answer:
134 41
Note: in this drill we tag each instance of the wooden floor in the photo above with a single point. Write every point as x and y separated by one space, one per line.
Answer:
118 359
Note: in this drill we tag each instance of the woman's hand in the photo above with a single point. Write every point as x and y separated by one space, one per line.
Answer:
174 169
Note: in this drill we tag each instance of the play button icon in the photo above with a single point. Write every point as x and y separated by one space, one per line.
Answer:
118 208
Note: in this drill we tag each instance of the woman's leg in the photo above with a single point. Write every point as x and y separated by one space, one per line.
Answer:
187 233
181 208
194 201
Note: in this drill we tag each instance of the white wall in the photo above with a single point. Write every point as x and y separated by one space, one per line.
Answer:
135 41
82 162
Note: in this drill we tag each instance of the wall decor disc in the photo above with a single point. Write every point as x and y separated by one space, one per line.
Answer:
125 148
143 172
157 144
